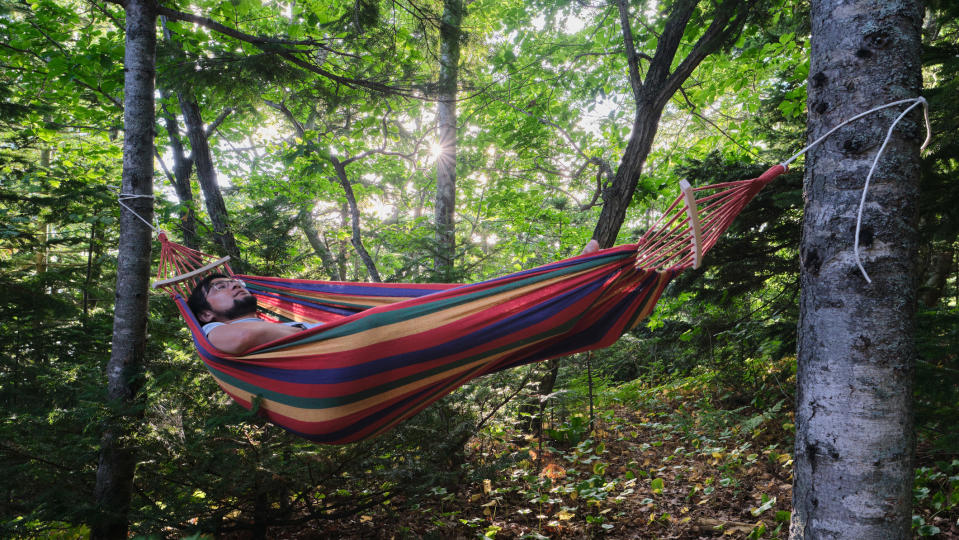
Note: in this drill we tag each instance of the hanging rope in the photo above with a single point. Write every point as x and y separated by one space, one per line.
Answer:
130 196
915 102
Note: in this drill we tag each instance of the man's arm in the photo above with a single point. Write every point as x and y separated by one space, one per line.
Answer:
240 336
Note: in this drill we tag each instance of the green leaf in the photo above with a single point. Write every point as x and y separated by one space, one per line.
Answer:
657 485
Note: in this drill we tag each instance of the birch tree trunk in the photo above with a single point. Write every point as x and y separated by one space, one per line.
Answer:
854 450
124 371
446 120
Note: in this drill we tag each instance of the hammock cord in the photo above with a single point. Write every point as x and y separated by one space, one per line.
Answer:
130 196
865 188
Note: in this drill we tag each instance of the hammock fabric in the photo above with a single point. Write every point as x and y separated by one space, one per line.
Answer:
388 350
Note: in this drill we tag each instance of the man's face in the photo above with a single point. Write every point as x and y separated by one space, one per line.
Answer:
228 300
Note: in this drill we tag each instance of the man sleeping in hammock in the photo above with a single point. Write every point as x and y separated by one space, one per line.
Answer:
227 312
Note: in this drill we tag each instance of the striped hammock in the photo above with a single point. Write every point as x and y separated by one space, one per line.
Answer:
388 350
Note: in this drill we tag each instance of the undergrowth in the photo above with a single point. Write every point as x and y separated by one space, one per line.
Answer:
694 457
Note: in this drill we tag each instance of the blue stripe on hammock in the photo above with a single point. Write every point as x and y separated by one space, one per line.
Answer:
620 254
589 336
301 302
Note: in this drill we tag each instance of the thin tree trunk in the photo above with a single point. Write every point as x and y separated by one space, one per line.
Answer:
206 174
935 276
854 451
618 196
534 408
43 254
117 460
89 276
202 158
344 254
663 78
305 220
357 236
450 30
180 179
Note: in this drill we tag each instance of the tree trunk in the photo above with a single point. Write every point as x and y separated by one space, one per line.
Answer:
450 30
117 461
619 195
94 248
534 408
206 175
935 275
854 451
356 237
664 76
305 221
202 158
182 171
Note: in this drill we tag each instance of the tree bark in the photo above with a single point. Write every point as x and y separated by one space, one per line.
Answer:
653 93
206 174
202 158
854 450
180 179
651 96
935 275
117 460
534 407
450 31
357 236
305 221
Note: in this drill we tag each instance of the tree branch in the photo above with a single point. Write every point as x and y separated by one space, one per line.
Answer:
729 19
266 45
693 107
669 41
357 238
635 81
219 120
288 114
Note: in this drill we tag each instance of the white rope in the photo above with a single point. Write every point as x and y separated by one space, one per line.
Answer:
128 196
865 188
914 101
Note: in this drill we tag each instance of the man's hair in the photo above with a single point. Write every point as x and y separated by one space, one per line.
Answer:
197 301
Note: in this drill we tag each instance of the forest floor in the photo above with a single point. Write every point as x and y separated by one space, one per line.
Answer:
668 464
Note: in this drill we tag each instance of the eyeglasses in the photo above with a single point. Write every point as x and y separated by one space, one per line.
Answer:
225 284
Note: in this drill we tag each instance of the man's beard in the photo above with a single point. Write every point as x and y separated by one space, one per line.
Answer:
245 305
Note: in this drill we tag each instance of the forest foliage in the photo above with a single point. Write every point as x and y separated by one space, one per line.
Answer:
309 107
